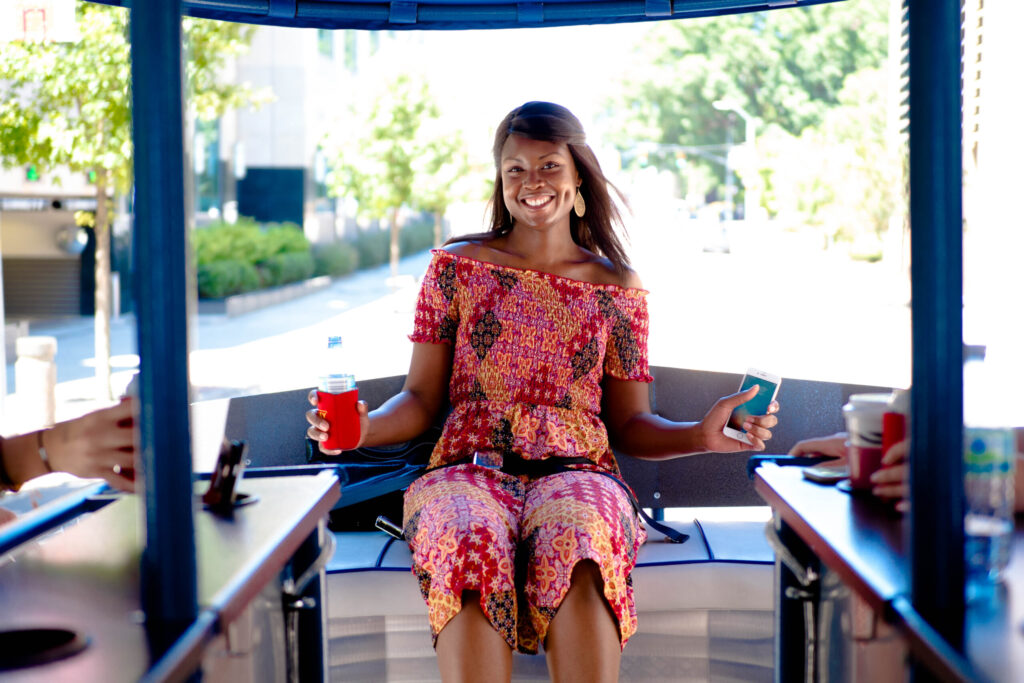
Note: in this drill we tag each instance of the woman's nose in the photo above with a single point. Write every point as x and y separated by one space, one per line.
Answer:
532 178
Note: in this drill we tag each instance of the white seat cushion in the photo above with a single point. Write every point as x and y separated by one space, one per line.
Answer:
705 607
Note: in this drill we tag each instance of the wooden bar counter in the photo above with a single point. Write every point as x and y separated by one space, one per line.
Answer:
863 541
84 575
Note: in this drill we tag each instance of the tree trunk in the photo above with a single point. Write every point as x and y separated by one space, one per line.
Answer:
394 242
102 318
438 228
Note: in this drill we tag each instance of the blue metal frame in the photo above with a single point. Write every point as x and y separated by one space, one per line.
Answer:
170 593
405 15
936 226
936 520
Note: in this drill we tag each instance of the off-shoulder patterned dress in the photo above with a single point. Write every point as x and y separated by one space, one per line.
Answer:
530 350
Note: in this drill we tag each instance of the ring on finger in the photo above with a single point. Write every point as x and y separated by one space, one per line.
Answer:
117 469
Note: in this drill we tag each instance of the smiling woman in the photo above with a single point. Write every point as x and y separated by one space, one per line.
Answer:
523 530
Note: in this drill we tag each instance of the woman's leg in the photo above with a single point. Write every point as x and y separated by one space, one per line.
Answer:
461 525
583 638
580 536
470 650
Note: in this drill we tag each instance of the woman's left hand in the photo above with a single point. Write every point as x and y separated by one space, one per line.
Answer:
98 444
758 428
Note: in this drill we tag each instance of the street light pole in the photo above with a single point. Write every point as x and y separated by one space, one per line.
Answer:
750 198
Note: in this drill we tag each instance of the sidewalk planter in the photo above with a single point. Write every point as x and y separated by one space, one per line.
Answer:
237 304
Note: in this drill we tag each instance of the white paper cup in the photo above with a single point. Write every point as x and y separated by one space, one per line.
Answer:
863 414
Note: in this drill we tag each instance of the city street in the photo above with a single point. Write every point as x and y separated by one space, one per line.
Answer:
787 310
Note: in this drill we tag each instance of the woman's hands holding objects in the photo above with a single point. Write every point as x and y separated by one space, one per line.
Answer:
319 426
100 444
892 480
758 428
889 482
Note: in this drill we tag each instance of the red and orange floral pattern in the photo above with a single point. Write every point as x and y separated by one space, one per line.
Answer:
530 350
516 542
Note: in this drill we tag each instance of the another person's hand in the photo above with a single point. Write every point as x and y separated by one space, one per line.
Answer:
758 428
100 444
319 426
892 480
829 446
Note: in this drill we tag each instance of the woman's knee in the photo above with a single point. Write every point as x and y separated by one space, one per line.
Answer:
587 582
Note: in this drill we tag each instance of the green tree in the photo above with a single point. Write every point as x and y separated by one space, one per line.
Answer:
843 175
442 174
384 149
65 107
786 68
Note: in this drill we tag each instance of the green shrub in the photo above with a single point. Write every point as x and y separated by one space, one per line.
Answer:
224 278
373 247
284 268
335 259
284 238
241 241
417 235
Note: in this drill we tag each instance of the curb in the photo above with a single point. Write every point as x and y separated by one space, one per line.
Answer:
239 304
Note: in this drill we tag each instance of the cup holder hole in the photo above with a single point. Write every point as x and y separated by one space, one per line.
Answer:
33 646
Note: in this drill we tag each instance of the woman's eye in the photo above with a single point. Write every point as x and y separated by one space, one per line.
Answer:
551 164
513 169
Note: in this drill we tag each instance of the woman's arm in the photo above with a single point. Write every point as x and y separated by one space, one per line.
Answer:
408 413
87 446
830 446
635 430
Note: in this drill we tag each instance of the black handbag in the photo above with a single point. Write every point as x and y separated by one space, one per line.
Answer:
373 479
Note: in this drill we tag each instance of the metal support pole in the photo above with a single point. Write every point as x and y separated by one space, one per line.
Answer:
169 560
936 471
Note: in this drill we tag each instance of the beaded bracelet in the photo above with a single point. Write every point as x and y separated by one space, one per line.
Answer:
43 455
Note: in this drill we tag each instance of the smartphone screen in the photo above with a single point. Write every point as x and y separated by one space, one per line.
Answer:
755 406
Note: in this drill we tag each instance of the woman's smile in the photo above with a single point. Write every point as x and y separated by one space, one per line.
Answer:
539 181
537 201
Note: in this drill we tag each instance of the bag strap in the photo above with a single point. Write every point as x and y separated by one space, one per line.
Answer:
516 466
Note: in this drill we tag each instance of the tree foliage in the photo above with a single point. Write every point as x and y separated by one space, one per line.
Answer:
377 144
786 68
393 150
842 176
65 107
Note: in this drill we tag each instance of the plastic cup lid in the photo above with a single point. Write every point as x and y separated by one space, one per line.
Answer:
868 403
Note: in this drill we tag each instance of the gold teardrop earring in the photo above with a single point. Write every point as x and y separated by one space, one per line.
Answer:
579 206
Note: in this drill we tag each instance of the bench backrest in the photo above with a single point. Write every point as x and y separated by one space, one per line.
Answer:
274 427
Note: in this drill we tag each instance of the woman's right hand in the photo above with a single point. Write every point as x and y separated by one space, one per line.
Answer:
829 446
892 480
318 426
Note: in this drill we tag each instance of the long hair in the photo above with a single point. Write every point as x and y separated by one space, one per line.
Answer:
554 123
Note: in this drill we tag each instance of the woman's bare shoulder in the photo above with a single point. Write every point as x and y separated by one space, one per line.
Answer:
472 248
603 271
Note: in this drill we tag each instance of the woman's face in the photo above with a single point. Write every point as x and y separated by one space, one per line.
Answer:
539 181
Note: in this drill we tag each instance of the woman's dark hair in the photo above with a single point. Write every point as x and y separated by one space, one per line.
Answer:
554 123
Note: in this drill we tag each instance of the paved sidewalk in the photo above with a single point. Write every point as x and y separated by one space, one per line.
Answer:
271 349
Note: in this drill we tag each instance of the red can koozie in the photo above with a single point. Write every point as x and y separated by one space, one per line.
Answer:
894 430
894 421
340 412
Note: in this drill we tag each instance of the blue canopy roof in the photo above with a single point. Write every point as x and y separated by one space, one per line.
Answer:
395 15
